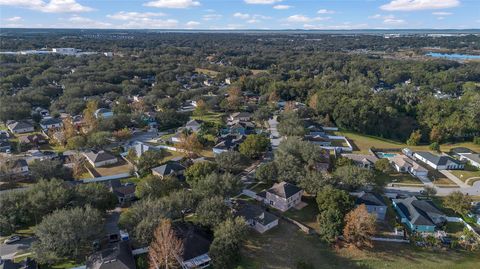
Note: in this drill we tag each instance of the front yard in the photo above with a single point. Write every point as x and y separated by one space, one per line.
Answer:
469 172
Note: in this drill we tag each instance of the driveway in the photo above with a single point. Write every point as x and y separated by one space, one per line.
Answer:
275 137
9 251
453 178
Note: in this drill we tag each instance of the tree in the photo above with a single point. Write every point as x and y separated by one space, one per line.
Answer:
330 222
15 211
165 246
47 196
98 139
67 233
459 202
199 171
149 160
476 140
351 176
314 181
228 237
383 165
429 190
96 195
155 187
78 165
254 145
224 185
76 142
359 226
91 122
189 144
434 146
266 172
414 139
201 108
291 125
122 134
230 161
48 169
343 161
331 198
212 210
436 134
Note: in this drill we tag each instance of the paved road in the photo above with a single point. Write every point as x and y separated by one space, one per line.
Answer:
9 251
275 137
470 190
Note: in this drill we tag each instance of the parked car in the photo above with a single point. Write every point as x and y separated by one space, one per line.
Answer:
12 239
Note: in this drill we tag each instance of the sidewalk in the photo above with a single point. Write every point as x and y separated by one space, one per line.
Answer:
455 179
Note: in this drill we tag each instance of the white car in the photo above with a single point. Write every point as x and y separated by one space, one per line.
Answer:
12 239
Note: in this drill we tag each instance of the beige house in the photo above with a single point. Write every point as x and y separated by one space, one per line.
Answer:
403 164
100 158
283 196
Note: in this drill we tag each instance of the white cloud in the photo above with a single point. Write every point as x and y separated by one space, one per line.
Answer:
411 5
262 2
304 19
325 11
388 19
255 18
172 3
53 6
243 16
83 22
282 7
211 17
14 19
192 24
124 15
442 13
344 26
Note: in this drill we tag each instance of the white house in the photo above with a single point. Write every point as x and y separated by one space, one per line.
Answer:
100 158
283 196
403 164
472 158
442 162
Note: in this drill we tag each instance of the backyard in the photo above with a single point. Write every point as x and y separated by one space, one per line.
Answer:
285 246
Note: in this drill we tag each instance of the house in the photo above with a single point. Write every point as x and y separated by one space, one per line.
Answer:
169 169
194 125
196 245
241 128
4 135
442 162
240 116
408 152
403 164
51 123
257 218
41 111
139 147
28 263
419 215
228 143
20 127
124 192
5 146
115 256
314 128
100 158
103 113
362 160
472 158
374 203
18 167
321 140
283 196
457 151
35 139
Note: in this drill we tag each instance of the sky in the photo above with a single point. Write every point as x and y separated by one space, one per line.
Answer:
241 14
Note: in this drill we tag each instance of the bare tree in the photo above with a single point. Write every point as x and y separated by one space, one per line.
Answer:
165 247
359 227
78 165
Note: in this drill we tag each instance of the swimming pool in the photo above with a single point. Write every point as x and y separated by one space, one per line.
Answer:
384 155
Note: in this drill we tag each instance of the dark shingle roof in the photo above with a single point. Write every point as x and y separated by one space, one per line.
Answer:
50 121
19 125
118 256
254 212
168 168
369 198
436 159
284 189
419 212
196 242
99 156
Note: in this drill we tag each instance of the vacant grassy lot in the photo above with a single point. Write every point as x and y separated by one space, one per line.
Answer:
285 246
207 72
210 117
362 143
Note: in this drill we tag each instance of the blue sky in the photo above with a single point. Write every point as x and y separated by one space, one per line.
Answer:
241 14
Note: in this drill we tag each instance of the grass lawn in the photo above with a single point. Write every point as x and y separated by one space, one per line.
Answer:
258 187
454 229
284 246
210 117
403 178
121 167
361 143
62 265
469 172
207 72
306 215
258 71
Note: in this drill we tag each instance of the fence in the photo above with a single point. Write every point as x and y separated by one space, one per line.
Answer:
105 178
383 239
469 227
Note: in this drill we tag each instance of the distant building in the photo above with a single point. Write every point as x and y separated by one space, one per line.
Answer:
228 143
100 158
169 169
196 245
124 192
472 158
403 164
374 203
51 123
283 196
18 167
419 215
35 139
240 116
439 162
116 256
5 146
194 125
362 160
20 127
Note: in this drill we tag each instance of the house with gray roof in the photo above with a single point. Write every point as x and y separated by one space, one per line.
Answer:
472 158
439 162
194 125
374 202
100 158
283 196
51 123
196 245
116 256
362 160
20 127
169 169
419 215
257 217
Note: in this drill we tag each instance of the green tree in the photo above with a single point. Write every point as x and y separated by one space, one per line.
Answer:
211 211
266 172
98 139
230 161
314 181
48 169
476 140
291 125
96 195
67 233
149 160
228 238
15 211
383 165
332 198
351 176
224 185
254 145
47 196
459 202
434 146
76 142
331 223
414 139
199 171
155 187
